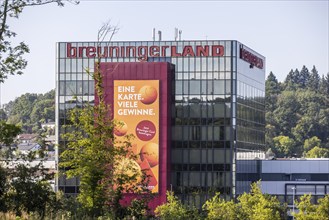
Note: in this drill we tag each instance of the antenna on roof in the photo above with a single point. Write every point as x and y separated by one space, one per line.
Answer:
176 34
153 34
159 33
180 35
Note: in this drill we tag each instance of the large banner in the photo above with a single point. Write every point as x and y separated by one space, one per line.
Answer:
136 107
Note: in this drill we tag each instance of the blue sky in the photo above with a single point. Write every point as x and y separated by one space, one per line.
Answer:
289 34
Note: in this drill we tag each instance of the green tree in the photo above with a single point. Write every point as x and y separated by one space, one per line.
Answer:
317 152
311 143
324 85
314 81
3 115
323 208
3 189
219 209
105 166
257 206
284 146
30 110
291 81
173 209
29 189
304 77
307 210
272 90
11 56
285 113
8 132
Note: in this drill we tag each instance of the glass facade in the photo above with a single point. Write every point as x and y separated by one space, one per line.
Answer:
218 106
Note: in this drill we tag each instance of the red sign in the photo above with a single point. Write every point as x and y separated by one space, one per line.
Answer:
251 58
143 52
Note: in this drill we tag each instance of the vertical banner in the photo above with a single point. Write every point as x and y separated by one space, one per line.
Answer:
136 107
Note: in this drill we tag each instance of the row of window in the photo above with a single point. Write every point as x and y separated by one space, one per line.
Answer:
175 166
209 110
200 144
252 115
206 75
201 121
200 179
202 133
203 87
78 87
197 156
282 177
245 134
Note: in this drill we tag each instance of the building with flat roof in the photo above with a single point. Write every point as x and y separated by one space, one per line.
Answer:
287 179
209 104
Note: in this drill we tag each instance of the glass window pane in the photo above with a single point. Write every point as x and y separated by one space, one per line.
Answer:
219 87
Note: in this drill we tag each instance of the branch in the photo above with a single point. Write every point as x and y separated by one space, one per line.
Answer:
18 6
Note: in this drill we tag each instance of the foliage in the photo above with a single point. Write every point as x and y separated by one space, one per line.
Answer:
106 167
311 143
7 133
255 205
308 210
30 110
11 56
175 210
297 109
317 152
284 146
219 209
25 185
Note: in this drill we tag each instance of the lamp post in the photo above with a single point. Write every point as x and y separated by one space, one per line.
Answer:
293 201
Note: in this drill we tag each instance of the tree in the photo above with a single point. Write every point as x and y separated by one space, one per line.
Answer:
11 57
284 146
317 152
272 90
285 113
304 77
323 208
324 85
307 210
30 110
29 189
314 80
174 209
311 143
105 165
219 209
3 115
257 206
8 132
291 81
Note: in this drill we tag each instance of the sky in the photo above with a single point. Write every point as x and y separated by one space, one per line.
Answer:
289 34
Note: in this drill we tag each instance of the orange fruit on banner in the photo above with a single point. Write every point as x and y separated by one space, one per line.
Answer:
120 128
148 94
150 152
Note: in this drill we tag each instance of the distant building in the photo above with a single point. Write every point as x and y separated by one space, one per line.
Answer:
285 178
26 138
25 148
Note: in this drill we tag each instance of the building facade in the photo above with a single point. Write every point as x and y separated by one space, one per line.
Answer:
287 179
217 105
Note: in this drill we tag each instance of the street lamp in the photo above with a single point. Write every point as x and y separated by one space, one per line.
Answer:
293 201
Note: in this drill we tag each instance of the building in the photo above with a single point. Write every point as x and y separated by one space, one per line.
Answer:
287 179
216 104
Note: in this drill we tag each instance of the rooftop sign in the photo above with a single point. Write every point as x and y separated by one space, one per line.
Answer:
251 58
143 52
